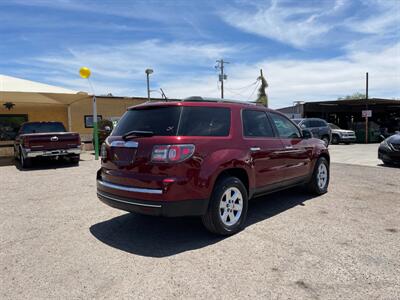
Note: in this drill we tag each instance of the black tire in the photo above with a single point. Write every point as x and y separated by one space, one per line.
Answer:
335 140
212 219
75 159
387 162
16 157
326 140
25 162
313 186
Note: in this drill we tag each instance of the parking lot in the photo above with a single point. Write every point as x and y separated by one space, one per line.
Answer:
58 241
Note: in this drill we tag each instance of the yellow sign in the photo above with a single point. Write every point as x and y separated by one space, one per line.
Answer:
84 72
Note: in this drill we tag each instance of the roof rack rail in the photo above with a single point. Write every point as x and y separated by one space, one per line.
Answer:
209 99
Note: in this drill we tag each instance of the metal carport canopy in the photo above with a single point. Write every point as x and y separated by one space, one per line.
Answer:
18 90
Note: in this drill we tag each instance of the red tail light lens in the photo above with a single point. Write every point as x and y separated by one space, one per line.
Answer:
172 153
103 151
25 143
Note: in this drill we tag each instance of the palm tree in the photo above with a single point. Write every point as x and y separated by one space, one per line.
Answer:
262 95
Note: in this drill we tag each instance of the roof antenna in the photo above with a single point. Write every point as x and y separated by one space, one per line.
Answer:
163 94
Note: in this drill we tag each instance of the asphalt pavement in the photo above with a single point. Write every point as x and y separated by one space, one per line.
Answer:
57 241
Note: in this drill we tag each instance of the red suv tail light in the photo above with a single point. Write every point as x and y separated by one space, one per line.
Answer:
172 153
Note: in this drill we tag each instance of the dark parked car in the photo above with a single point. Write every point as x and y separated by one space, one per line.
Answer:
389 150
46 139
319 128
206 158
342 135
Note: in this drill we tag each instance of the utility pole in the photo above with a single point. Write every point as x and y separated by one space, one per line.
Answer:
366 108
222 76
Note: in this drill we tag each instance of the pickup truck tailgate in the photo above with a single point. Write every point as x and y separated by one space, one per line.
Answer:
51 141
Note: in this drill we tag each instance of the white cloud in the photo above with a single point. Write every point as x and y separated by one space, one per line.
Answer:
119 69
384 20
308 80
314 25
297 26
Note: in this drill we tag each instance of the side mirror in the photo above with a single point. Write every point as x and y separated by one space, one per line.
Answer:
306 134
107 129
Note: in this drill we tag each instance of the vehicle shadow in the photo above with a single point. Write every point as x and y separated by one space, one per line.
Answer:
45 164
162 237
393 166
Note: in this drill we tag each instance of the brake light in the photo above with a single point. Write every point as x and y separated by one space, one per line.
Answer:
103 151
172 153
25 143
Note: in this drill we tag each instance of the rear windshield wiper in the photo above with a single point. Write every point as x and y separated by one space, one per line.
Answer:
137 133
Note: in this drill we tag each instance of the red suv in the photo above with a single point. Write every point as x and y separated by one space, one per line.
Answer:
203 157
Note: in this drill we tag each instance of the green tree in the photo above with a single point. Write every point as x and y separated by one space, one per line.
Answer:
356 95
262 97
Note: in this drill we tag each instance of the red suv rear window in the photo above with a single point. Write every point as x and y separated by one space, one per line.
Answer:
176 120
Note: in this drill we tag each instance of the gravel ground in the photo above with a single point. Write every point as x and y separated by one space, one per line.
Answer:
356 154
58 241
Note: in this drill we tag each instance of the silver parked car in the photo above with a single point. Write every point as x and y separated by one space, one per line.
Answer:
342 135
319 128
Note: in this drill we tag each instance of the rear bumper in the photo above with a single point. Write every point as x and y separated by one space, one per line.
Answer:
389 155
156 208
191 207
57 152
347 139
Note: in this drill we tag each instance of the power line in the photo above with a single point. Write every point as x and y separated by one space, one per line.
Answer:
244 87
253 91
236 93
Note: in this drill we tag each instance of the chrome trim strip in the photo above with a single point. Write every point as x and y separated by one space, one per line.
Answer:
129 189
55 152
123 144
127 202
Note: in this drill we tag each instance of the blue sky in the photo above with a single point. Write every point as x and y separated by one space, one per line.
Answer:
309 50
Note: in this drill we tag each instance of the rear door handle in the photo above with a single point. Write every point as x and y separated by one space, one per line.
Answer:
255 149
288 147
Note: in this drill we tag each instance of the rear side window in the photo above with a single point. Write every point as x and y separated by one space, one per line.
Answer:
317 123
165 120
162 121
256 124
306 124
205 121
42 127
286 129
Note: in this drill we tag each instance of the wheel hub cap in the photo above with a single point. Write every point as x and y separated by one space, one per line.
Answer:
231 206
322 176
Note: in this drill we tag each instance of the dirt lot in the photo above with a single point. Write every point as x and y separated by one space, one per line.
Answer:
58 241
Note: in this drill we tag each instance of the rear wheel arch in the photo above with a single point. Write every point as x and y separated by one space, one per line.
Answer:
326 156
239 173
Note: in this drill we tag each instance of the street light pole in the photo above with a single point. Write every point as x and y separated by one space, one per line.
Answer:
148 72
366 108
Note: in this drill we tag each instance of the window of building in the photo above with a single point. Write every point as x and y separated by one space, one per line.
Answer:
10 125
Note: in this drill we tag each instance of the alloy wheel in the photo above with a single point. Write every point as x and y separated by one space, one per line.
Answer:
231 206
322 176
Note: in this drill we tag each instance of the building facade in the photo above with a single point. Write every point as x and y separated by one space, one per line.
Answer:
348 114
